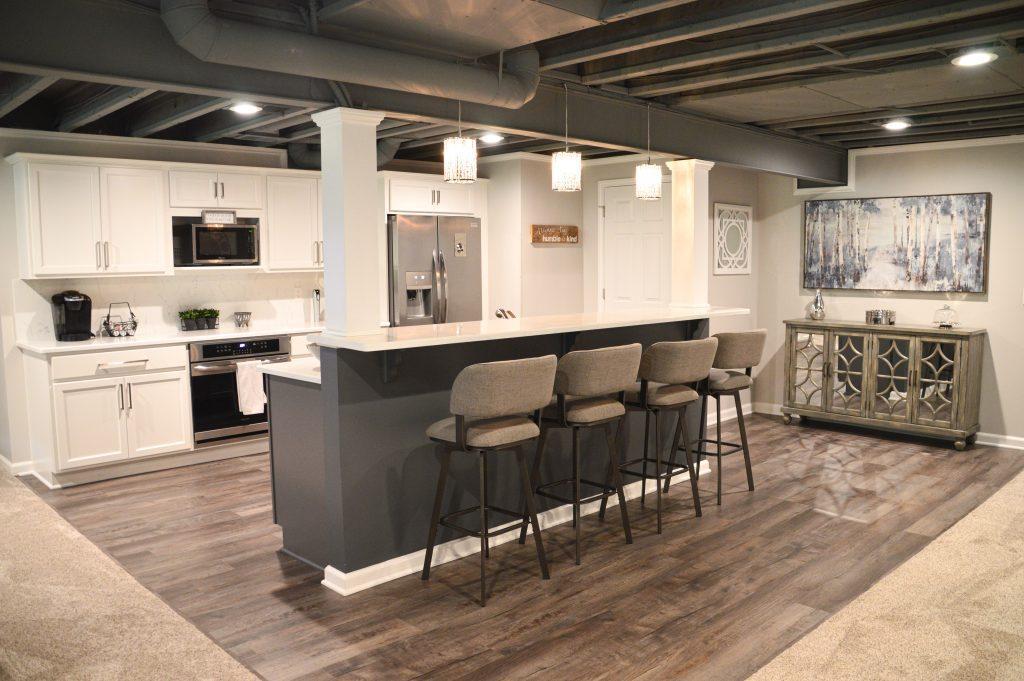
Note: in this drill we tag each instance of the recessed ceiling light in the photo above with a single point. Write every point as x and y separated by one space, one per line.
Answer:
245 108
896 124
491 138
974 58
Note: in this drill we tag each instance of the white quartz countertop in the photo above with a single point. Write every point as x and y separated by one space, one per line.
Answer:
404 337
143 340
306 369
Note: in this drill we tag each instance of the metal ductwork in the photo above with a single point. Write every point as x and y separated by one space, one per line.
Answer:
308 157
223 41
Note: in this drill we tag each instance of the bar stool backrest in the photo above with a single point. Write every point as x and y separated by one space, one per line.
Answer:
493 389
676 362
590 373
740 349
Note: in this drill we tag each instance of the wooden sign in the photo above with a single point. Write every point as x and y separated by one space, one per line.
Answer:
555 234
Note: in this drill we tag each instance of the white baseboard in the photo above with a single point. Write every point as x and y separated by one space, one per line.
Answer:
411 563
20 468
991 439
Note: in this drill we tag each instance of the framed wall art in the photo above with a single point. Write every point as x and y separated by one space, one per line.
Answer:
733 238
907 243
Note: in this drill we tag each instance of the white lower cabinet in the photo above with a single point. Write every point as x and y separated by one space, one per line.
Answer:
121 417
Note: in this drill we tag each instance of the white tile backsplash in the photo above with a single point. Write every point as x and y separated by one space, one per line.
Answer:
279 299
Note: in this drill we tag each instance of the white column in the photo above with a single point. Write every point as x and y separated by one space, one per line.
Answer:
348 143
691 228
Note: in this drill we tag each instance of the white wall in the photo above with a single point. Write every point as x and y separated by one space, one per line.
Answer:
738 187
153 294
976 166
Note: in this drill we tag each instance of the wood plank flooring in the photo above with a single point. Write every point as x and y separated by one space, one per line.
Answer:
712 598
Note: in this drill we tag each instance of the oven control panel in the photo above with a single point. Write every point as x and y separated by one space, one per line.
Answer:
258 346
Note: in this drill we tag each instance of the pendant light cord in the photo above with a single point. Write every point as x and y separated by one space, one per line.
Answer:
566 86
460 124
648 133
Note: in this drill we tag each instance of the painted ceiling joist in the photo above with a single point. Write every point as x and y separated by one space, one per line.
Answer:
937 108
174 111
617 10
22 89
107 103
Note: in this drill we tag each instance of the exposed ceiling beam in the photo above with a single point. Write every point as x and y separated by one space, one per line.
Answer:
231 124
919 121
174 111
22 89
874 114
333 9
940 137
899 48
410 130
617 10
96 108
726 19
900 21
915 131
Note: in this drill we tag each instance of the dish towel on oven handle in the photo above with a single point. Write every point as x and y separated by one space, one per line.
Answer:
251 398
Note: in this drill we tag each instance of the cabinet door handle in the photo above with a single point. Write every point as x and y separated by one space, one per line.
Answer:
215 189
120 396
222 190
106 254
99 261
131 403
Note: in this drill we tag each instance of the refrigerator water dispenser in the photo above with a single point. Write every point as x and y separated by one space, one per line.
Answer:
418 286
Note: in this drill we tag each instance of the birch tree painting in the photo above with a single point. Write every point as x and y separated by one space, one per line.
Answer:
909 243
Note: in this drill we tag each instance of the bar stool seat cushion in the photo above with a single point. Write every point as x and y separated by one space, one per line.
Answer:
486 433
584 410
662 395
729 380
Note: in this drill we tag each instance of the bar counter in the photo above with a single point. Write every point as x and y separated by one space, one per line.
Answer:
353 471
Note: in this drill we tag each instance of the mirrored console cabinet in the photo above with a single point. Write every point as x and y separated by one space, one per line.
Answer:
913 379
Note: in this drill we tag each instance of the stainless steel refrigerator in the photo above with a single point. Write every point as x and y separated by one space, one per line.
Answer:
434 269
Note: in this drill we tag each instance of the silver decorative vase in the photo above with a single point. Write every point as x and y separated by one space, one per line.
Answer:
817 307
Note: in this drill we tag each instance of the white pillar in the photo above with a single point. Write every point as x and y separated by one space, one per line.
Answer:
690 231
348 143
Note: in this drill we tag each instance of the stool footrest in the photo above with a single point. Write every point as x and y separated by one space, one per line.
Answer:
727 448
542 491
675 470
446 520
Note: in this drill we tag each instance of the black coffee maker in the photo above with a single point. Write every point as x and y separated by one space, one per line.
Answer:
72 316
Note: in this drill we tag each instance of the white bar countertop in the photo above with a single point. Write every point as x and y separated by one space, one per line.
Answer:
143 340
404 337
306 369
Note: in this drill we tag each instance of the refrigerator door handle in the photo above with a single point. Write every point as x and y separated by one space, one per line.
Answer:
435 300
444 281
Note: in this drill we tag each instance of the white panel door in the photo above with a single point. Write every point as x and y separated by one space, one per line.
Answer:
293 223
159 413
134 219
90 422
637 249
64 219
412 196
240 190
193 189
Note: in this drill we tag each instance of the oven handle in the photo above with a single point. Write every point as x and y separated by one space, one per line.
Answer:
229 366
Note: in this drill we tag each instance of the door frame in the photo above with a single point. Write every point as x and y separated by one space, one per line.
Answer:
602 185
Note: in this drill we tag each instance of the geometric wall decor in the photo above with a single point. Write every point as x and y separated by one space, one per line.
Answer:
733 238
903 243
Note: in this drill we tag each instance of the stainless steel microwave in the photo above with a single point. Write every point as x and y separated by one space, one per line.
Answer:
206 244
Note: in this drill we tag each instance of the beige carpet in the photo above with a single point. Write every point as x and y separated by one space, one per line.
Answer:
67 611
953 611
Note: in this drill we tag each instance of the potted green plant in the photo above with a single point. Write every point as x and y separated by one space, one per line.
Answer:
188 320
211 317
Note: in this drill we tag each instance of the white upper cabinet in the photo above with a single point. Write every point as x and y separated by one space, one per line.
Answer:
159 416
429 195
204 189
294 238
63 220
134 219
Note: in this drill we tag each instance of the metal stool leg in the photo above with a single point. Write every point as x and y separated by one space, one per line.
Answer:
702 432
532 511
718 444
483 529
647 437
435 518
657 461
689 462
538 459
670 464
743 439
483 501
613 469
576 488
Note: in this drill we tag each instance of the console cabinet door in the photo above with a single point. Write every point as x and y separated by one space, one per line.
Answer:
892 361
847 372
159 413
135 225
64 219
293 223
90 421
936 377
805 384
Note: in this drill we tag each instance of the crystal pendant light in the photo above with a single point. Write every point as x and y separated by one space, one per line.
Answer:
566 166
648 175
460 157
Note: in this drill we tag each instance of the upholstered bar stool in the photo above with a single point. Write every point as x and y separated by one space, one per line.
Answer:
669 371
496 408
589 388
738 353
